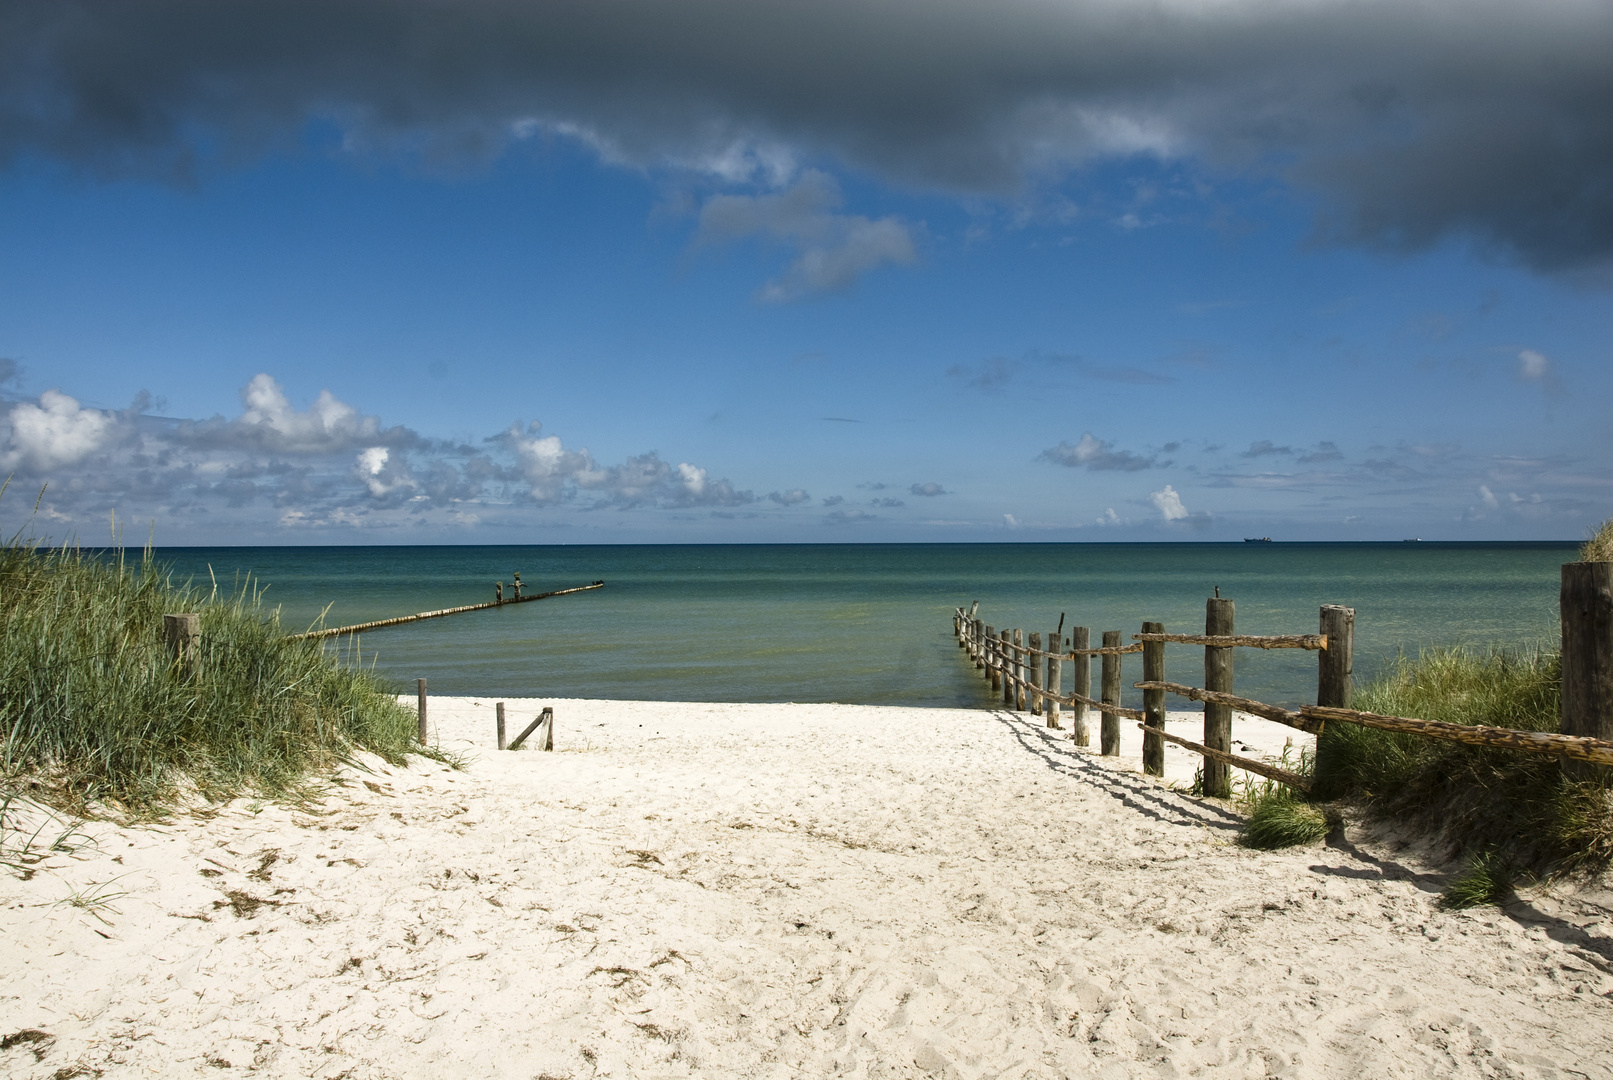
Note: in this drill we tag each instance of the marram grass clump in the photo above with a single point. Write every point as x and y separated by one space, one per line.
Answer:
1599 548
1488 879
1521 807
93 710
1280 819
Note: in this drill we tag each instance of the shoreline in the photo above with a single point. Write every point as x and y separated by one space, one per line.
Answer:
779 891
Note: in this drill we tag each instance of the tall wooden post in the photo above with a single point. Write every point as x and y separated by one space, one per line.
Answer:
1007 663
1218 620
1019 671
1055 679
499 711
990 651
420 688
183 634
1586 610
1080 685
1336 663
1033 668
979 644
1153 701
1111 693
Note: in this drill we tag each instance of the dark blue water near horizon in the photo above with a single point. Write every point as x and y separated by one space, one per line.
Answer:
870 623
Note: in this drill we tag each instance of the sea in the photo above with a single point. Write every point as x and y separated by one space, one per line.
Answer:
872 623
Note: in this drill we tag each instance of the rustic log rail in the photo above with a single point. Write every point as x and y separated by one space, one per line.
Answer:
1577 747
378 623
1015 667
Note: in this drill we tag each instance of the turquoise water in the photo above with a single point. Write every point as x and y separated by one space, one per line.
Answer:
871 623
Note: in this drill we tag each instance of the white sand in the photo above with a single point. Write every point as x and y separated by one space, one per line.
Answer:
780 891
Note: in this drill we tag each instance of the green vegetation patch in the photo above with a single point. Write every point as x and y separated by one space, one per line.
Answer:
1522 807
92 707
1280 819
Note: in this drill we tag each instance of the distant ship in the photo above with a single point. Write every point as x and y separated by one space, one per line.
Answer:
1257 539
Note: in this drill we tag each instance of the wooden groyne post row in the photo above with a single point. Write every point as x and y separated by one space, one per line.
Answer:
1009 663
499 600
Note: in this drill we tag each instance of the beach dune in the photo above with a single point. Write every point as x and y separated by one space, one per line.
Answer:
778 891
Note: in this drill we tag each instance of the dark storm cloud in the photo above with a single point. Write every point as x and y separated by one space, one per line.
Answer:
1417 120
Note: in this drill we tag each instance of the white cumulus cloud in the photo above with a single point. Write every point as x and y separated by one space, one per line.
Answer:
55 433
1169 503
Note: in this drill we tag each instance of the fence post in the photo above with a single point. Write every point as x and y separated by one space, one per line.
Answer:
1007 637
499 709
1586 611
1218 620
1055 680
1153 701
979 629
420 688
1033 669
1111 693
1080 684
989 650
1018 704
1336 663
184 636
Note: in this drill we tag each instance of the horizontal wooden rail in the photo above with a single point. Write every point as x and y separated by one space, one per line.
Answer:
1271 772
1578 747
439 614
1075 699
1113 651
1242 704
1314 642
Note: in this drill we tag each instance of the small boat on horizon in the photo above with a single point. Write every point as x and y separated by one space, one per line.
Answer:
1257 539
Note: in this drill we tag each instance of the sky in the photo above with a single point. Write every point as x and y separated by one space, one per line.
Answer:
636 271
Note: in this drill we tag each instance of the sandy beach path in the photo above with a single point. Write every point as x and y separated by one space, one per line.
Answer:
777 891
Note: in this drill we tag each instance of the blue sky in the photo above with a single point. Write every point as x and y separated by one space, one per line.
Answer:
399 271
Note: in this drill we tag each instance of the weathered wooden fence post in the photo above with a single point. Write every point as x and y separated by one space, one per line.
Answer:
992 671
1007 638
184 636
1218 621
1586 611
1033 669
1336 663
420 689
1153 701
499 709
1055 678
979 644
1018 703
1111 693
1080 684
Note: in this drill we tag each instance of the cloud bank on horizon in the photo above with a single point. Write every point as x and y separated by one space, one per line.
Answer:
1408 122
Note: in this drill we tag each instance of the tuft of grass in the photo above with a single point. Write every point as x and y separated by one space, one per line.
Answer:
1599 548
1280 819
1488 880
93 710
1521 806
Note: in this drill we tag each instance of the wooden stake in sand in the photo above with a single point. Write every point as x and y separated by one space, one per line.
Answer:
1080 685
1111 693
1033 669
184 636
1153 702
499 710
1218 620
1055 680
546 718
420 689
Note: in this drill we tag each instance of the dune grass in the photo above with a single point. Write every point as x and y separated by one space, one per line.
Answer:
1517 811
93 711
1599 548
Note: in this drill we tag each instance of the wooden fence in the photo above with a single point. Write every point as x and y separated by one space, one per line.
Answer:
1030 678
